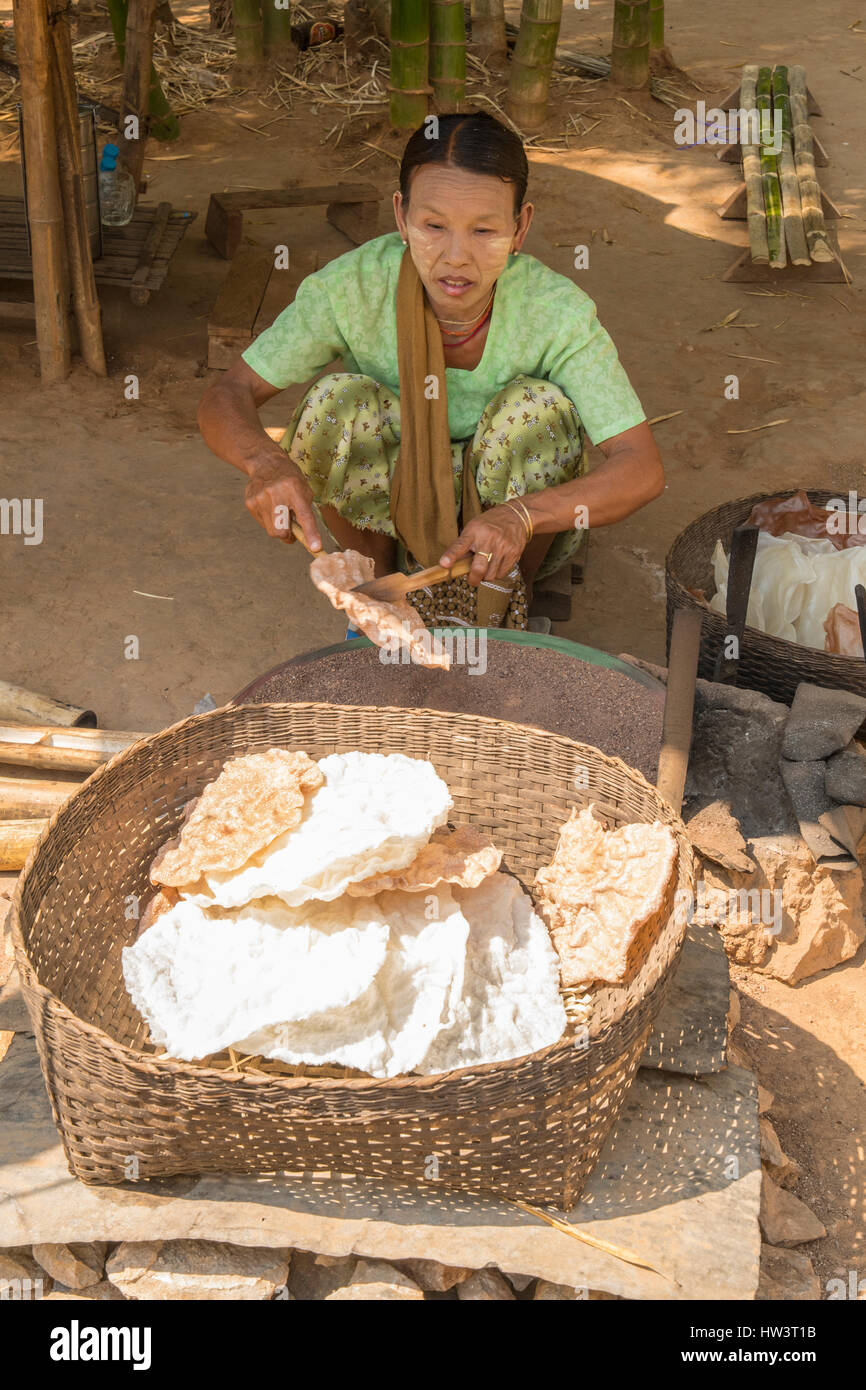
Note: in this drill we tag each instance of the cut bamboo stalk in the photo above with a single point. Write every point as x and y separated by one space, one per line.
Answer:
137 64
792 213
29 707
770 171
410 53
84 297
488 32
532 62
277 29
630 50
46 758
247 29
107 741
17 838
755 214
447 53
22 798
44 204
657 24
804 163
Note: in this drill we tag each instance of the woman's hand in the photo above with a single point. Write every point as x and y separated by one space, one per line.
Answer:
497 537
278 491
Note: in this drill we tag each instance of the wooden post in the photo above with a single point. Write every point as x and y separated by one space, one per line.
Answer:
44 206
137 62
84 296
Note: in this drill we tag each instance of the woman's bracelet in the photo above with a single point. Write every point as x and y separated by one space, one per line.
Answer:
524 517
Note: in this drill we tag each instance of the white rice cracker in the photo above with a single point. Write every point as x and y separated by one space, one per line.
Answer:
511 1004
373 815
387 1030
203 980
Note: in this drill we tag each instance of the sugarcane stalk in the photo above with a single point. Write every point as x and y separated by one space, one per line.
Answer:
770 170
630 50
488 32
532 62
657 24
277 28
804 164
410 53
755 215
792 213
163 124
447 53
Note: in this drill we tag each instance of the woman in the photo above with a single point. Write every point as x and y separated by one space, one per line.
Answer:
472 375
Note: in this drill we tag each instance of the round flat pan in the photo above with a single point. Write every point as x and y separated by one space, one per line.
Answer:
524 677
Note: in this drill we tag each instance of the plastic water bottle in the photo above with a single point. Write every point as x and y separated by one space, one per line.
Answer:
116 190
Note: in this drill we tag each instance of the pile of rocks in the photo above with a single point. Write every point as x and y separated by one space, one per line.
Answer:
188 1270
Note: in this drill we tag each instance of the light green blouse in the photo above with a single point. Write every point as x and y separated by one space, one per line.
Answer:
542 325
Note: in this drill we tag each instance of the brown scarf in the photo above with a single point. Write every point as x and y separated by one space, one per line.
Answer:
422 487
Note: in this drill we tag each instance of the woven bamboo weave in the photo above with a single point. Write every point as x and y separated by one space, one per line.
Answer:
769 664
529 1129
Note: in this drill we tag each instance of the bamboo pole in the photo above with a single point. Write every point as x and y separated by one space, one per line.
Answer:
792 212
532 62
249 37
755 213
84 296
137 66
447 53
29 707
410 45
804 163
23 797
488 32
162 123
106 741
277 28
44 204
630 49
17 838
770 171
657 25
48 759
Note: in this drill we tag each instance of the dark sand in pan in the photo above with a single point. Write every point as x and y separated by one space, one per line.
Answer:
527 685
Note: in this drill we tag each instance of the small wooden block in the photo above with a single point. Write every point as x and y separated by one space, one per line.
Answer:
357 221
223 227
225 214
822 159
232 321
736 206
730 154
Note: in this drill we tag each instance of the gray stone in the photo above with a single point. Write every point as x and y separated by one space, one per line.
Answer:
845 776
642 1195
377 1281
782 1169
787 1276
197 1270
804 783
316 1276
519 1282
716 835
734 758
485 1286
21 1276
785 1220
433 1277
821 722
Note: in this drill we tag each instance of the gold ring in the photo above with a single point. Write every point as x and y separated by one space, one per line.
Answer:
487 557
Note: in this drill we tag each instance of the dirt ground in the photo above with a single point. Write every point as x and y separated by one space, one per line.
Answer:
135 506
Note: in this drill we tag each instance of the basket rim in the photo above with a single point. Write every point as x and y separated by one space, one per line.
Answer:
175 1066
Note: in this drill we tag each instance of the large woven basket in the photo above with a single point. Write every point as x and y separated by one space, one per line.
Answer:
769 664
530 1128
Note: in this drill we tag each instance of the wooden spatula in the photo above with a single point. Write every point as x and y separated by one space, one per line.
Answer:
393 586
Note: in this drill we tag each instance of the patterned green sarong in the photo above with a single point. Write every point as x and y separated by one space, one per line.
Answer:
344 435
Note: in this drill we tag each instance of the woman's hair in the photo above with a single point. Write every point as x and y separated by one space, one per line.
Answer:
475 142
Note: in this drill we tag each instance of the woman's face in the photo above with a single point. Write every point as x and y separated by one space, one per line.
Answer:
461 228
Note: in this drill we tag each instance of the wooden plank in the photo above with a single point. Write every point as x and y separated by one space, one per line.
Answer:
230 327
283 286
224 223
140 291
22 310
357 221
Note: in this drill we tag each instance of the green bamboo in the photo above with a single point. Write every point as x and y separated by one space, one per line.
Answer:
410 49
488 32
447 53
248 32
532 62
657 24
804 159
792 212
755 214
277 28
770 170
630 49
163 125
